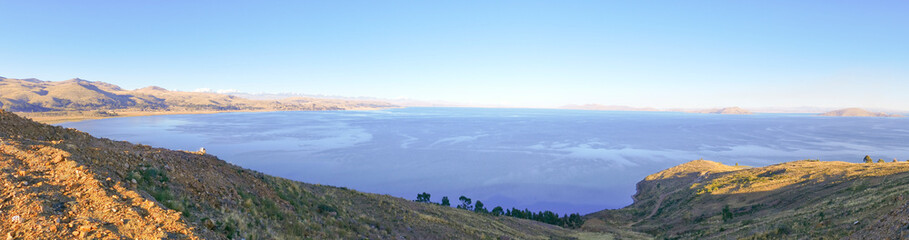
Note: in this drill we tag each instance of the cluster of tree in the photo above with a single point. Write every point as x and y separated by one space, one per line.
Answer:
573 220
869 160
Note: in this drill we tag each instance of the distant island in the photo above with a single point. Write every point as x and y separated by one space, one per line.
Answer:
857 112
728 110
78 99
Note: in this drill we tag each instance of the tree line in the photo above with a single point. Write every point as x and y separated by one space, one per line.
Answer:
573 220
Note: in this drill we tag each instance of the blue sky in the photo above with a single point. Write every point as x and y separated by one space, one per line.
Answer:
517 53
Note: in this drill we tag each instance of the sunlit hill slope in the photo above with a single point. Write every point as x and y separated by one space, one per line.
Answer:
799 200
99 99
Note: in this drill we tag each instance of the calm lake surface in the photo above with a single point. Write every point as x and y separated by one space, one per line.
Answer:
541 159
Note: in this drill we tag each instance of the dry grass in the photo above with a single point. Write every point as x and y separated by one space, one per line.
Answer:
802 199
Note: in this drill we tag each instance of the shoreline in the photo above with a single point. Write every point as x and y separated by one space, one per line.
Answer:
78 116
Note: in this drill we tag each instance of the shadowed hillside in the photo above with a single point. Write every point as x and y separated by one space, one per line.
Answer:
59 183
801 200
81 98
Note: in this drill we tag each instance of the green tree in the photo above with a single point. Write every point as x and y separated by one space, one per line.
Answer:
880 160
868 159
445 201
727 214
498 211
478 207
466 203
574 221
423 197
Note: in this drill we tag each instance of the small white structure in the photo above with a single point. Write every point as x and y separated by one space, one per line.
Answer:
202 151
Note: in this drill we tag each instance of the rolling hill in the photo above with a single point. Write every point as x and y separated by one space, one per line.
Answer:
805 199
61 183
98 99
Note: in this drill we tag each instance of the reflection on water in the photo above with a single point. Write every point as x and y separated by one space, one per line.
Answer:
562 160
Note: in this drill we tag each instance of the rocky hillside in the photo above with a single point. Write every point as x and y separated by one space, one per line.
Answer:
61 183
857 112
805 199
33 95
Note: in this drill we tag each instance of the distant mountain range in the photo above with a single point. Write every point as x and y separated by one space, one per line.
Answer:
48 97
609 108
403 102
847 112
598 107
33 95
728 110
857 112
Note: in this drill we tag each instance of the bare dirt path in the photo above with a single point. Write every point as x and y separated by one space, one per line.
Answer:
656 207
659 202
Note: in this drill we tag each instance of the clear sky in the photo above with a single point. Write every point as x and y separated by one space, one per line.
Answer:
517 53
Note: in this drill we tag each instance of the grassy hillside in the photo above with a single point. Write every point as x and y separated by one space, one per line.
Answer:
57 183
804 199
81 98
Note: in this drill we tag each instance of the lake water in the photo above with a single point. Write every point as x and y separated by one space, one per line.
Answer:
541 159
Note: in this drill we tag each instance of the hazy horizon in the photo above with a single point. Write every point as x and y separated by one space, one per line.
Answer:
509 53
409 102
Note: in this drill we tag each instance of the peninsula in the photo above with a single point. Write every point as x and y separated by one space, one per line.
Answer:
78 99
